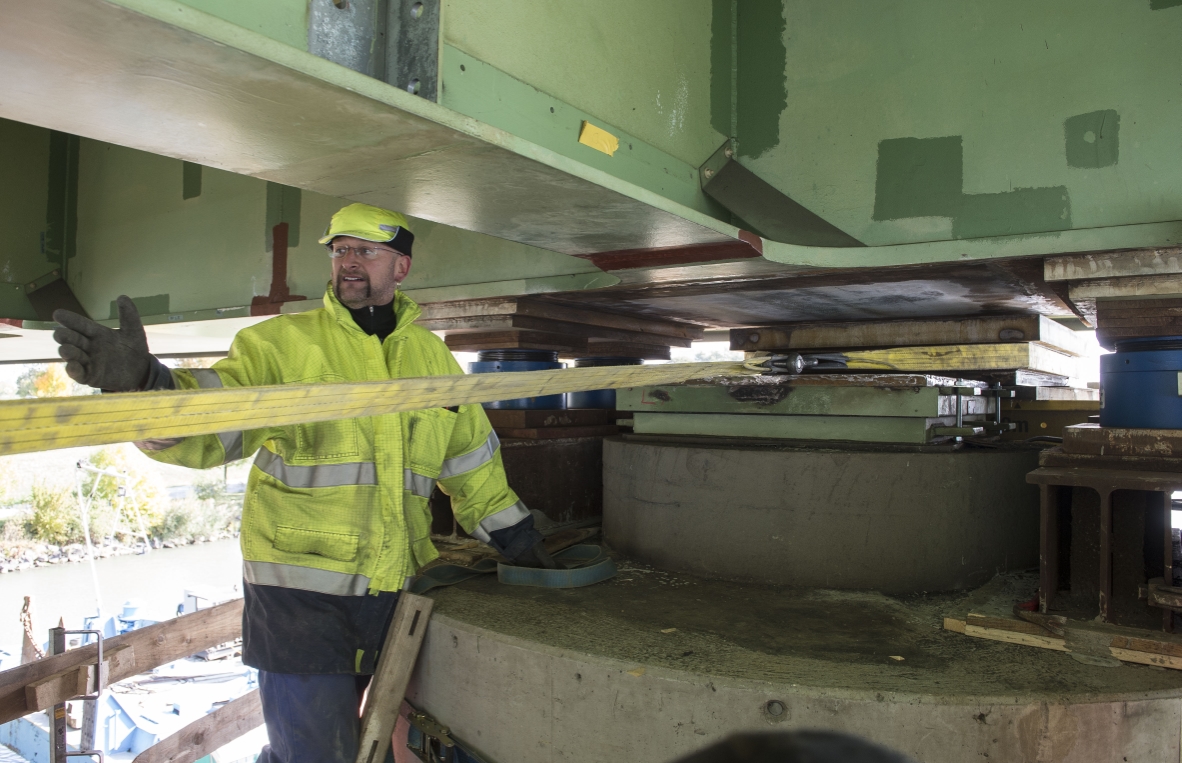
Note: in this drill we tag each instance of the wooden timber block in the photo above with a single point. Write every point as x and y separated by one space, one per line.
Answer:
1058 394
867 334
1137 318
967 357
1094 440
555 433
76 681
1057 457
1130 262
515 340
546 309
571 417
598 348
1044 417
501 323
1100 640
1026 377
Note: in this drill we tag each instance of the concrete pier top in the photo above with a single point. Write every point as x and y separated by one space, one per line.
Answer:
652 665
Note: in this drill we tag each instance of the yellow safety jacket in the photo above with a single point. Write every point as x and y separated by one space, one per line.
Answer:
340 507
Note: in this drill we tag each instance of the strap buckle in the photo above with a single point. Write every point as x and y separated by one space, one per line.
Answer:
434 743
795 363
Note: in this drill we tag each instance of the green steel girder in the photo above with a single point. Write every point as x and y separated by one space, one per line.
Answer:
162 77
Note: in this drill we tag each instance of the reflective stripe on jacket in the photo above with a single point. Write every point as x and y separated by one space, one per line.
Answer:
340 507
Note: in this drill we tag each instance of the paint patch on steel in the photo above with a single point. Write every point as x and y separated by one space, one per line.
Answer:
924 177
1092 140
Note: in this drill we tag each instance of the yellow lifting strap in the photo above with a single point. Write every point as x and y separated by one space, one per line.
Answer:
68 422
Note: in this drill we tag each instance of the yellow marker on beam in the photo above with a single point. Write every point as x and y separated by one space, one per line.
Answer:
598 139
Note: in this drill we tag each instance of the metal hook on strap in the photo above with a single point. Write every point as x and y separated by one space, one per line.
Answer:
794 363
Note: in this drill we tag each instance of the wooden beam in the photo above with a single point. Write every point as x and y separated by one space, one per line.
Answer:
866 334
440 311
151 647
395 665
967 357
1129 262
514 340
208 733
1125 644
1094 440
1123 288
78 680
498 323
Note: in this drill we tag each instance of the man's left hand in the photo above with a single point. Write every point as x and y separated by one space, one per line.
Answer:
536 556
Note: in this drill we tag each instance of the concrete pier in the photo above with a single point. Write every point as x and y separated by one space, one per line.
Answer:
650 666
898 519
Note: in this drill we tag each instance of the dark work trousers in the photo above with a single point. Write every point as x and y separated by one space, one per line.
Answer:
312 718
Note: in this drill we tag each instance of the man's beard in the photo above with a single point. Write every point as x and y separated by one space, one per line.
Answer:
352 298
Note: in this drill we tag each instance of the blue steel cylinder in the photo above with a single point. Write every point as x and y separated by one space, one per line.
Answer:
1139 384
598 398
496 361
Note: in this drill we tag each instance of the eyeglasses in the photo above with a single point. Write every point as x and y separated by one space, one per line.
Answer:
368 252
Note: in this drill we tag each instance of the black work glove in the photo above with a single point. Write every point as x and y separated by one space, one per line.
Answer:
115 361
536 556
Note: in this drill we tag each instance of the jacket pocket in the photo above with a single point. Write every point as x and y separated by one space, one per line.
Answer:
428 433
326 440
295 540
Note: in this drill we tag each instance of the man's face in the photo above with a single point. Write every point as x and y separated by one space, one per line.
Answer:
359 282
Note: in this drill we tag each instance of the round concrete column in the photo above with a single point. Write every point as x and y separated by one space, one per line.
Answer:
897 521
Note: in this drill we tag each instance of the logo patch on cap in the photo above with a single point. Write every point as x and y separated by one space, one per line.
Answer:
389 228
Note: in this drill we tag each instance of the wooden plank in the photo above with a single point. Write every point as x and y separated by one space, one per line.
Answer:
555 433
954 625
1121 288
79 680
1147 658
395 665
967 357
1014 637
1094 440
1161 595
208 733
867 334
512 340
501 323
152 647
580 417
1006 624
558 312
1129 262
597 348
1066 397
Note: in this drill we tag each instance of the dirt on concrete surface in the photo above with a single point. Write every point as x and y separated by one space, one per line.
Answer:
837 640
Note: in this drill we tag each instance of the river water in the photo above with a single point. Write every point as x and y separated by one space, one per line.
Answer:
156 581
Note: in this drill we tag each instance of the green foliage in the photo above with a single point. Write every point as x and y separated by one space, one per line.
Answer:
134 502
55 517
194 518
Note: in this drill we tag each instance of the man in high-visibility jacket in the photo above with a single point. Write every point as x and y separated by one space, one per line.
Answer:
335 517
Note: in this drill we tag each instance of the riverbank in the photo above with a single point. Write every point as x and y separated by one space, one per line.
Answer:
156 582
25 555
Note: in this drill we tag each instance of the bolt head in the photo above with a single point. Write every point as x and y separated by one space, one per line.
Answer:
708 173
728 152
775 708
